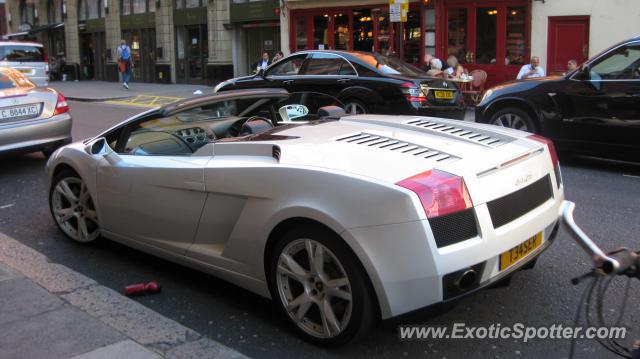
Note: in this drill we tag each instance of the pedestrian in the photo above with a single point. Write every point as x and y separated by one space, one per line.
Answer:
125 64
262 64
531 70
277 57
572 65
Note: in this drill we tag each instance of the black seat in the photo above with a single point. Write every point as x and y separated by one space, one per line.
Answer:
255 126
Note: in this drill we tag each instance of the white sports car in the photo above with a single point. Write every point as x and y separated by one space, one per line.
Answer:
342 220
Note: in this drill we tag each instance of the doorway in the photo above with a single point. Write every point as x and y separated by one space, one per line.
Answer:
568 38
143 45
489 36
260 40
93 50
192 53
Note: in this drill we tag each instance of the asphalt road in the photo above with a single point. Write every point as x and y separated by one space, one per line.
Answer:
608 200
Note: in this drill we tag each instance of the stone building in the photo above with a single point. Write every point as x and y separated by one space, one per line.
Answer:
172 41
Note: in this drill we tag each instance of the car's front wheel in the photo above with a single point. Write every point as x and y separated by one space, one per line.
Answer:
355 107
72 207
515 118
320 287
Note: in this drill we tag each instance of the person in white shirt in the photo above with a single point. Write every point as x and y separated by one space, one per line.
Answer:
531 70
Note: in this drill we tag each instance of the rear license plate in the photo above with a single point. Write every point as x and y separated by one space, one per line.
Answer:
513 255
25 71
12 113
444 95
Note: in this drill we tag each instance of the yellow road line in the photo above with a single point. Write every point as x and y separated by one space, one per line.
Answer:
145 100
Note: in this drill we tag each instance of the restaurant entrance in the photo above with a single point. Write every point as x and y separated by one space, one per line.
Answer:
489 35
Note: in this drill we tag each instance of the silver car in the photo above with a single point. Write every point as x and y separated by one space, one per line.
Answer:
26 57
31 118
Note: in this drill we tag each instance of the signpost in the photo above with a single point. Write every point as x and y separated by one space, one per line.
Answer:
398 10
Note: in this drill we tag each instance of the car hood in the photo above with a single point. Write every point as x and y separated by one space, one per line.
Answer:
392 148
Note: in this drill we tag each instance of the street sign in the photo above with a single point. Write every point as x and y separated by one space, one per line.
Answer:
398 10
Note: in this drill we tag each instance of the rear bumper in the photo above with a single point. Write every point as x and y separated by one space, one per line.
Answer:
35 135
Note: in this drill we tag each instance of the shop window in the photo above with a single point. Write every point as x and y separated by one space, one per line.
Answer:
139 6
125 7
486 27
412 38
457 34
320 32
430 31
363 30
189 4
301 33
129 7
341 33
384 36
516 36
93 9
27 12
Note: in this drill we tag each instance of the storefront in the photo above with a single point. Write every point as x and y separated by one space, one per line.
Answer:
191 39
478 33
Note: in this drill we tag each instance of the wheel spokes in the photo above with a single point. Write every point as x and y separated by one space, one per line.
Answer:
292 269
83 232
64 214
330 323
64 189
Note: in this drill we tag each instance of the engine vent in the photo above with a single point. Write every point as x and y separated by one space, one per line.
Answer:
391 144
512 206
480 137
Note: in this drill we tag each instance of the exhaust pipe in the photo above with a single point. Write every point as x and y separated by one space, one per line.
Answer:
467 279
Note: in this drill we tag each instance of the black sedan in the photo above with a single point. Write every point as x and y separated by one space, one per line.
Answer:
593 111
364 82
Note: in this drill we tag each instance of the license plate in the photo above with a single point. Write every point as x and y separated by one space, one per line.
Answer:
444 95
12 113
513 255
25 71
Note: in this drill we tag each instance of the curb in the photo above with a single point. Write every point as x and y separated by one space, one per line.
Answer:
155 332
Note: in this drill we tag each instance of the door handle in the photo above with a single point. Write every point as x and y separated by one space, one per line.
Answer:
343 81
287 82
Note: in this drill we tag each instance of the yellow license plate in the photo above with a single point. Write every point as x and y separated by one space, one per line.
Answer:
444 95
25 71
513 255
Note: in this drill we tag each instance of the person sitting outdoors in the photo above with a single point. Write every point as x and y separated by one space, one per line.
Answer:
427 62
455 70
531 70
436 68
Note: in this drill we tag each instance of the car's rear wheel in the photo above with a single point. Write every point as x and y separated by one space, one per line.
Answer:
355 107
515 118
72 207
320 287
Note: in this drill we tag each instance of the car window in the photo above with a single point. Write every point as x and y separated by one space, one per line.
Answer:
21 53
328 64
183 133
10 79
287 67
389 65
622 63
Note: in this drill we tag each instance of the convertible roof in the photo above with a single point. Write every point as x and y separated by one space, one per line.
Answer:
220 96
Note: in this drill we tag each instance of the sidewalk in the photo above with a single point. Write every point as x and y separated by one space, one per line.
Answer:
104 91
49 311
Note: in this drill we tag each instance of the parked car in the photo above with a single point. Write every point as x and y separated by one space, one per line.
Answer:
594 110
342 220
26 57
364 82
31 118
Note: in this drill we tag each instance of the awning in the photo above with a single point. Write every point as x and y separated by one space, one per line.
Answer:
34 30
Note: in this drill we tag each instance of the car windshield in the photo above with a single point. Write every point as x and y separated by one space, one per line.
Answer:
21 53
390 65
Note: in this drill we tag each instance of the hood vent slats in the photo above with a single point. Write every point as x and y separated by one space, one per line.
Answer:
465 133
390 144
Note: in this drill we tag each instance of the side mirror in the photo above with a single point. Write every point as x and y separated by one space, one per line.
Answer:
98 146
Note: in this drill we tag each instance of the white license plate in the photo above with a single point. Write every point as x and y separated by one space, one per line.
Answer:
17 112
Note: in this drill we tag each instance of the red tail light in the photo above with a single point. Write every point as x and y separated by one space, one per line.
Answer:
413 93
440 193
61 105
549 143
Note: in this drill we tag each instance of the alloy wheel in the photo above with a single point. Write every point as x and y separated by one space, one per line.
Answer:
511 120
354 108
314 288
74 210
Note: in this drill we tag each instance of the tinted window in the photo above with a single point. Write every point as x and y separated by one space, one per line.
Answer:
21 53
389 65
623 63
287 67
328 64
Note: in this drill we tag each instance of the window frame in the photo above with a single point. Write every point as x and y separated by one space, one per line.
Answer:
576 75
267 72
131 8
328 55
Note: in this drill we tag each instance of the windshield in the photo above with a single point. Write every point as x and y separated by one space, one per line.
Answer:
21 53
390 65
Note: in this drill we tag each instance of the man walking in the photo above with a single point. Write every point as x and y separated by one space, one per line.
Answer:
531 70
124 63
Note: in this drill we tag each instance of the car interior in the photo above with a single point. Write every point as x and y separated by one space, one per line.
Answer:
183 133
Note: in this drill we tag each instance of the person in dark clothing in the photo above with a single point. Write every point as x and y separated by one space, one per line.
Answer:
262 64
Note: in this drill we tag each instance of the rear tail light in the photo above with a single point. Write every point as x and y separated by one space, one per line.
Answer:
440 192
61 105
553 153
413 93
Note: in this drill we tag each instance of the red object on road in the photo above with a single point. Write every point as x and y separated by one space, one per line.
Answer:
142 288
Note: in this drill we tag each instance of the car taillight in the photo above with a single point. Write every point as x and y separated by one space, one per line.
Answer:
412 92
553 153
440 192
61 105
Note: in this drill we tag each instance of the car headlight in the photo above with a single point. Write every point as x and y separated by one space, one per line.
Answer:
486 94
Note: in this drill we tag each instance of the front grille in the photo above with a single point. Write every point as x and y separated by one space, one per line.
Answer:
506 209
454 228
